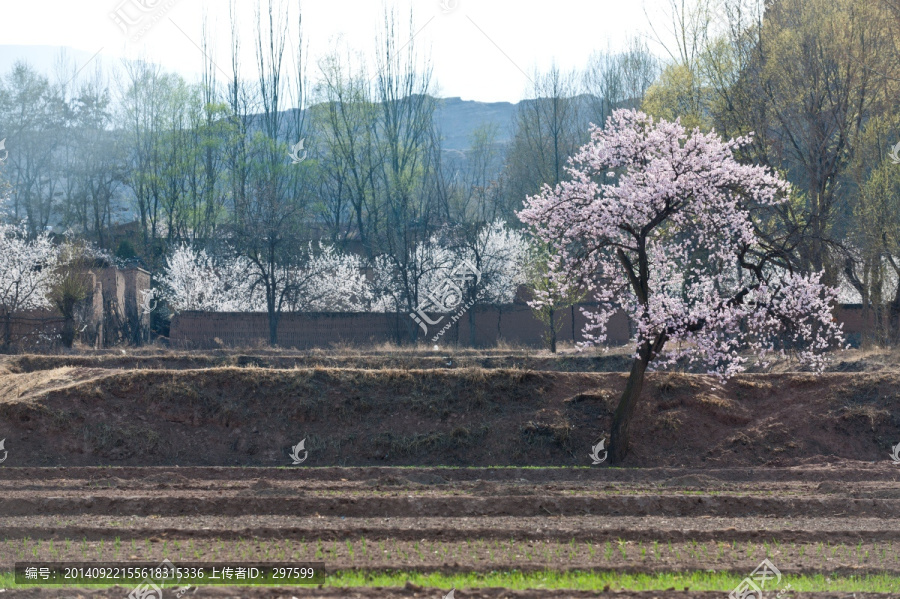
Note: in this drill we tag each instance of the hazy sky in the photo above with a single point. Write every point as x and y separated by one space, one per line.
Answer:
480 50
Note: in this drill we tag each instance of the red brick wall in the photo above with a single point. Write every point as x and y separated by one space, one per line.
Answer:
852 317
513 323
32 328
201 329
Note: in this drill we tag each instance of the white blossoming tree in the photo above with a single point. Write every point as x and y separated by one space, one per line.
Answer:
27 274
500 255
194 280
445 276
329 281
325 280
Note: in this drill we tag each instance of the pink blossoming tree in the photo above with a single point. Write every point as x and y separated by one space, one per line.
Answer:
663 225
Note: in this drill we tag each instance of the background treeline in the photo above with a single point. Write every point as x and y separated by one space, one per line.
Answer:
207 164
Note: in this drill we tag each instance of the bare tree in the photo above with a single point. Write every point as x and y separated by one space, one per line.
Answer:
273 207
549 127
143 95
410 154
347 119
619 79
32 120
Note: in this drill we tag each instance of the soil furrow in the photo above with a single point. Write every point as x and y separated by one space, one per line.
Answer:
881 473
451 507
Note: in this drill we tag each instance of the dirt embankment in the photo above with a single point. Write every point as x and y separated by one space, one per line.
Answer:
423 360
102 415
615 359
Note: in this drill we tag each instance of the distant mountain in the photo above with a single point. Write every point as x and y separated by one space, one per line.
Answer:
458 119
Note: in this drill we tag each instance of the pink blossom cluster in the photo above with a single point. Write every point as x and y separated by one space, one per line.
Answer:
660 223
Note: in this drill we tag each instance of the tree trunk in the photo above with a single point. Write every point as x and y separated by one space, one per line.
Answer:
7 330
273 328
412 330
398 332
552 331
472 326
619 437
572 309
893 326
68 332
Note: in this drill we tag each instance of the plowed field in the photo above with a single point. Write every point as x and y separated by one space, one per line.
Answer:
454 471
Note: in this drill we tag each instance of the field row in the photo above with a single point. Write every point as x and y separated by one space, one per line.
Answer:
833 478
562 531
476 554
342 528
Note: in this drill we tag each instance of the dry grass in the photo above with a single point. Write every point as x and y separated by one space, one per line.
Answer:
674 383
866 411
710 399
24 386
752 383
668 421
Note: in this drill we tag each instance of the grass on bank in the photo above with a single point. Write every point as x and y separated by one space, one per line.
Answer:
586 580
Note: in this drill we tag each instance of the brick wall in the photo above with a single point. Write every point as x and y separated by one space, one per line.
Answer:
856 323
32 328
513 323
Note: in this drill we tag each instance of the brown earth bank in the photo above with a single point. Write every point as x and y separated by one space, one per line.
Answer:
131 458
251 416
571 362
92 528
